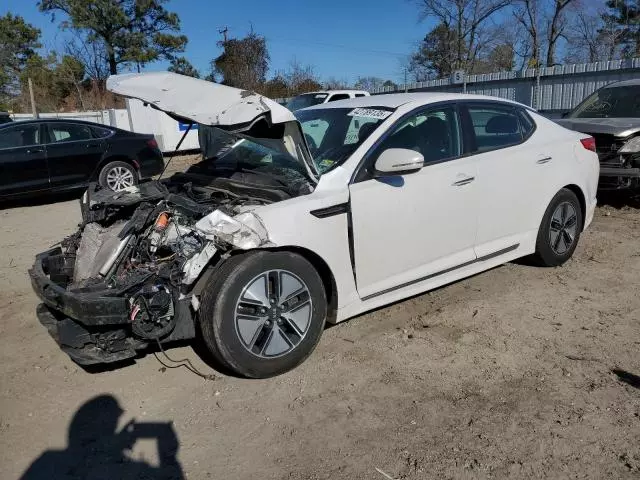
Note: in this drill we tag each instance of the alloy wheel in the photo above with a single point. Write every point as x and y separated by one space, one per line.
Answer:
273 313
119 178
564 227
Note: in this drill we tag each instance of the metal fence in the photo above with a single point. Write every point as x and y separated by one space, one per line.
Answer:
548 89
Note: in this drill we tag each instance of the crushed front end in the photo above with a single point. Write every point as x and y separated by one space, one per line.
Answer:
126 278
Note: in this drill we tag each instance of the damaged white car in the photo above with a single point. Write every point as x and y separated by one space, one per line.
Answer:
304 219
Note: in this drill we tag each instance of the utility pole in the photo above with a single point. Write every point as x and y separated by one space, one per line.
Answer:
223 32
33 100
406 89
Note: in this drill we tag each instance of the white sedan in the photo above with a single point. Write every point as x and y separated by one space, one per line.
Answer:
316 217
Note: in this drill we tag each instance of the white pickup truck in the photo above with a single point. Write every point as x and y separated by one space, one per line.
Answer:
314 98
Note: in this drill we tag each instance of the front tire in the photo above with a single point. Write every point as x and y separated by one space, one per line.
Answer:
262 313
117 176
560 230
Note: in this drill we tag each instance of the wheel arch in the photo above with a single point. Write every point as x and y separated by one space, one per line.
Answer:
323 269
581 198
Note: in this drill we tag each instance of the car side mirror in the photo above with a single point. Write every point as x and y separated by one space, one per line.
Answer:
398 161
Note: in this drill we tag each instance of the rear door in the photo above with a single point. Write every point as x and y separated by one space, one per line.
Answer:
73 152
511 170
23 161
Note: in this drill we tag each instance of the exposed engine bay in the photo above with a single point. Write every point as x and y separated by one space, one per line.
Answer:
138 254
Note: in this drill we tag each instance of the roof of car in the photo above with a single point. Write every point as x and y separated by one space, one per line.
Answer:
624 83
336 91
394 100
54 120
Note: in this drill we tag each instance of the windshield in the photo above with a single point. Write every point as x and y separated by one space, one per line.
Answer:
306 100
614 102
333 134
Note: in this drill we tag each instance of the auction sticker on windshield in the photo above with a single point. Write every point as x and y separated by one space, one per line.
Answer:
369 112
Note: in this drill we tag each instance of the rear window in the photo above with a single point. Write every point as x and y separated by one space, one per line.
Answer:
101 132
612 102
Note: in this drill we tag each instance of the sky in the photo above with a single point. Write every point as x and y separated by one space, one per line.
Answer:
342 39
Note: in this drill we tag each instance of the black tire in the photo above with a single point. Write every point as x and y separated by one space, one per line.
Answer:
552 250
103 178
218 311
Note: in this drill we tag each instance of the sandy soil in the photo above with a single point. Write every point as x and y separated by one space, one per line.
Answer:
506 374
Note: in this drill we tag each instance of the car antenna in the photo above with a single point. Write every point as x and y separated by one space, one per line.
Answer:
176 149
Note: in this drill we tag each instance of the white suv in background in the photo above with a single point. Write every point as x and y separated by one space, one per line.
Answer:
315 98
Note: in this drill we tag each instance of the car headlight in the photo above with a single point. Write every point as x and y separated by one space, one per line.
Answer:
631 146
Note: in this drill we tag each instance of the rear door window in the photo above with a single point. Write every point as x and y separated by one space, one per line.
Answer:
494 127
20 136
68 132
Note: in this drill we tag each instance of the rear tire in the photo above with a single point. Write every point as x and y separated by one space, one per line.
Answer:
262 313
559 231
118 176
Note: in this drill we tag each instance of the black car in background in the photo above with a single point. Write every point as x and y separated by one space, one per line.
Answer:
47 155
5 118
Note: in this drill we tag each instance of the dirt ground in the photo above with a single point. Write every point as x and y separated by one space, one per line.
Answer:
508 374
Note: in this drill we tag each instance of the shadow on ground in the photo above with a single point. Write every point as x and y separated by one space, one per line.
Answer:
96 450
626 377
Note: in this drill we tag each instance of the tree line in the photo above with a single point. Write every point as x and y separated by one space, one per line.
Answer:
106 37
481 36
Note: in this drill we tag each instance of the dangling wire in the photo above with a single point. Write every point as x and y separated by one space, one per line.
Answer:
185 362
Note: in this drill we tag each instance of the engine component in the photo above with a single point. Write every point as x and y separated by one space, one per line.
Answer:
159 228
114 255
152 312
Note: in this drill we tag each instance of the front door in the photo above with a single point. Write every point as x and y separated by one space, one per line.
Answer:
410 227
23 160
73 152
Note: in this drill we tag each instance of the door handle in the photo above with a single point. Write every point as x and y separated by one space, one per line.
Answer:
35 150
463 181
544 160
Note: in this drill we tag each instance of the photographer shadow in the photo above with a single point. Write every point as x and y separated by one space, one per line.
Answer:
96 450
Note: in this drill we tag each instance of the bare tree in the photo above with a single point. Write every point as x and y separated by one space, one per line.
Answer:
333 83
545 23
590 38
301 78
556 28
467 19
92 54
528 16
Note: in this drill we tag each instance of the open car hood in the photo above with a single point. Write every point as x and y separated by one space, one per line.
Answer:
192 100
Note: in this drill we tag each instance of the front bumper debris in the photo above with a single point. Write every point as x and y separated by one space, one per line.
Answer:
92 325
618 177
88 308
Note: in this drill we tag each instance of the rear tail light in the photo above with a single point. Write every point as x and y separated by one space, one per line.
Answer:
589 143
152 143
